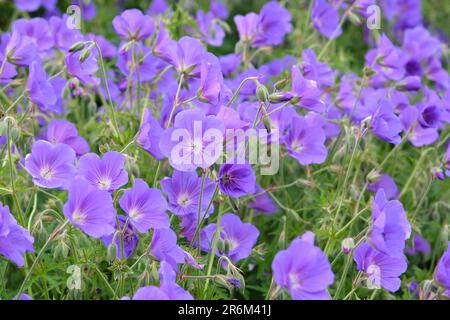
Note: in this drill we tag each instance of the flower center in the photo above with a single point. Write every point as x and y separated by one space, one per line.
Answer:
135 214
196 146
46 172
184 200
294 280
297 146
78 217
104 183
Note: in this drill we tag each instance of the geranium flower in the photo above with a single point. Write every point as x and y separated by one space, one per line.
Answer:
304 270
106 173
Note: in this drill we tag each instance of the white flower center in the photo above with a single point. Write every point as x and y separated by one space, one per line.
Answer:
78 217
196 146
294 280
183 200
46 172
104 183
297 146
135 214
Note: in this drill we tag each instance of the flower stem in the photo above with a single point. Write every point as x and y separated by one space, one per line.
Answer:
41 252
110 102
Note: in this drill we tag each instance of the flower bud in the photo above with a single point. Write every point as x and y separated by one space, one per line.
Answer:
278 97
347 245
280 84
85 54
77 46
262 93
112 251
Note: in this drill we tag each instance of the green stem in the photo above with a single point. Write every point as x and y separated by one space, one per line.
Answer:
41 252
11 173
239 89
110 101
175 101
213 249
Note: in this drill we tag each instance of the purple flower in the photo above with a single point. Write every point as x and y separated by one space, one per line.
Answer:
185 55
168 288
107 173
236 180
417 134
24 297
133 25
164 247
231 119
107 48
382 270
274 23
90 209
306 91
145 207
229 63
316 71
262 202
325 19
148 293
211 79
88 8
167 283
27 5
64 36
183 192
247 27
419 245
33 5
387 59
390 226
130 239
305 142
443 270
20 49
9 70
146 68
158 7
219 9
386 183
149 135
304 270
385 124
37 30
51 165
15 241
238 238
210 29
40 90
85 70
194 141
62 131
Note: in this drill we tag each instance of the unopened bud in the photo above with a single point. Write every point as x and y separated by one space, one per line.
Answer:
280 84
85 54
262 93
347 245
112 251
279 97
77 46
